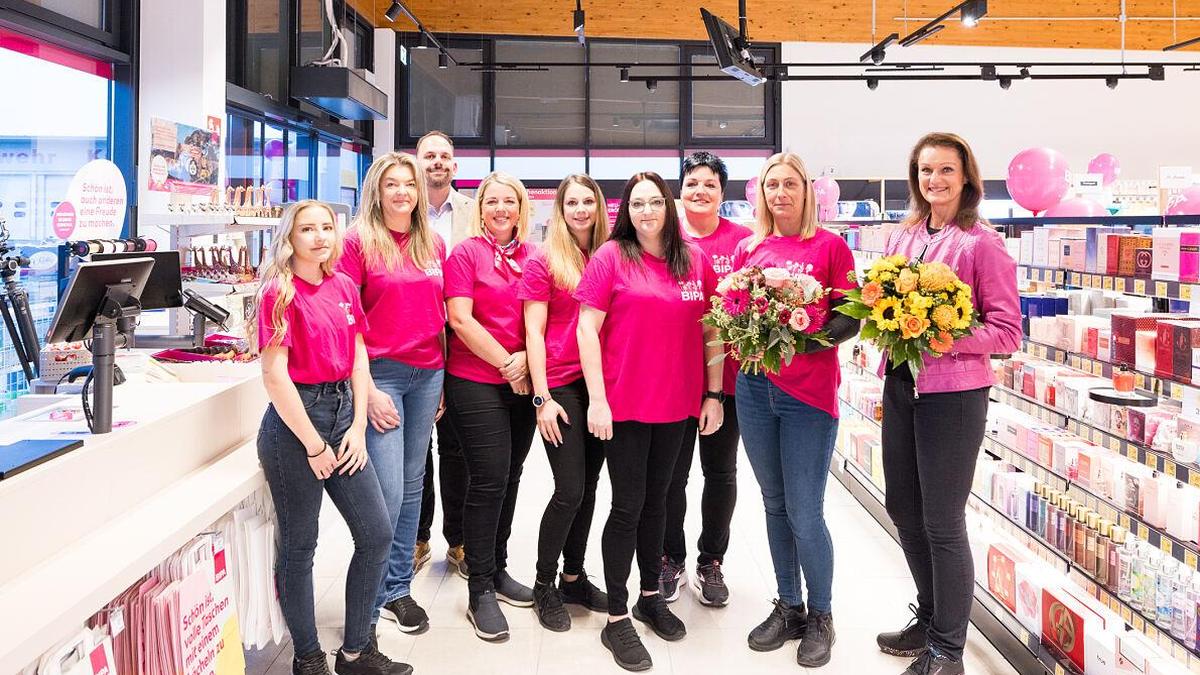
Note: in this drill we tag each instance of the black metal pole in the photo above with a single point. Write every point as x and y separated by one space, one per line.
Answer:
104 338
742 22
24 318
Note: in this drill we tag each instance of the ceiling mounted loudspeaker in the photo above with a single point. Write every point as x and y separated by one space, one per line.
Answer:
341 92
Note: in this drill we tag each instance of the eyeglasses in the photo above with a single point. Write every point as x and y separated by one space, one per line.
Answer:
656 204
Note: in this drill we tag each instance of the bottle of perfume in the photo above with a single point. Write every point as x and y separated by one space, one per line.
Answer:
1189 612
1179 588
1079 552
1091 533
1114 559
1122 380
1053 533
1137 573
1148 583
1163 592
1103 543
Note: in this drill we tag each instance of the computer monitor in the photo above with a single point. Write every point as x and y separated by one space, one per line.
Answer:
77 310
732 56
164 290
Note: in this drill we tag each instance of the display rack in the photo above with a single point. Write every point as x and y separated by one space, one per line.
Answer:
1140 286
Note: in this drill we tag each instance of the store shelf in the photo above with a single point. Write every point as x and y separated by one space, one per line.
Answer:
1164 387
1150 288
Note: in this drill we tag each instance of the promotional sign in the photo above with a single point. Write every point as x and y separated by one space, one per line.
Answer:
184 159
210 639
95 204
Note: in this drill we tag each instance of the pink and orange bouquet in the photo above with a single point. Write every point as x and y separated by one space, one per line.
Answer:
765 315
912 308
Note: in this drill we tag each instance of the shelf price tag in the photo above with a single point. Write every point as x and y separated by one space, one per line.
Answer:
1108 283
1139 286
1160 289
1132 453
1185 291
1024 636
1114 444
1190 559
1124 521
1140 380
1166 546
1126 614
1194 478
1177 391
1059 670
1097 368
1170 468
1144 533
1121 286
1139 624
1060 276
1075 278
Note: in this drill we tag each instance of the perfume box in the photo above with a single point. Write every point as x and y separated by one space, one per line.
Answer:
1125 325
1002 563
1174 348
1097 247
1127 254
1072 254
1176 253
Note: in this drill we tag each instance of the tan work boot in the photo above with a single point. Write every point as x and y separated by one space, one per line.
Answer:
421 555
458 560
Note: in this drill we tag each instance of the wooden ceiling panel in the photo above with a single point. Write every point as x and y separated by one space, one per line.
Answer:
1068 23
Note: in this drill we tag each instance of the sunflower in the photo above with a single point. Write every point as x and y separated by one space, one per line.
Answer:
885 314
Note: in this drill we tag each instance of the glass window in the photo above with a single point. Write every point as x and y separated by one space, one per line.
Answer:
628 113
339 169
90 12
313 40
274 162
266 51
243 151
729 108
299 152
39 155
543 107
447 99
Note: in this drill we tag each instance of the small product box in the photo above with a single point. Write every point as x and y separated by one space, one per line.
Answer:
1072 254
1002 573
1127 255
1125 326
1176 343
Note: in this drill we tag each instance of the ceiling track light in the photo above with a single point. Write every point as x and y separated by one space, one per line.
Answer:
652 85
921 34
443 59
624 74
577 20
1024 73
394 12
423 41
876 54
970 12
1181 45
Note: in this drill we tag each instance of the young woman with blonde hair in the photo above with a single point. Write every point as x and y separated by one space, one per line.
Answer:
308 328
395 259
487 387
578 226
789 420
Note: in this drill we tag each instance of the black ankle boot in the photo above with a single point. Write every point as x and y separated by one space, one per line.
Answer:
816 647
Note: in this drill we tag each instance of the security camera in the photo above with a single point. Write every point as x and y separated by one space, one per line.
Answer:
872 83
1005 82
1111 82
652 85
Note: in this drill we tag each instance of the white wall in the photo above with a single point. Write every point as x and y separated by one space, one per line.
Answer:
385 79
863 133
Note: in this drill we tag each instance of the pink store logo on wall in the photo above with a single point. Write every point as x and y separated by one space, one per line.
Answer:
63 220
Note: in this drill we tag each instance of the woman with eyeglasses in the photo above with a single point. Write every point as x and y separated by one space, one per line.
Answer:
641 345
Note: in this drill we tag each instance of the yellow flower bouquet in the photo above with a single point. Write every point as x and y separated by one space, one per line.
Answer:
912 308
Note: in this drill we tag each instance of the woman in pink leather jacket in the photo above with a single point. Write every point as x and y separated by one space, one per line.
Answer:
932 428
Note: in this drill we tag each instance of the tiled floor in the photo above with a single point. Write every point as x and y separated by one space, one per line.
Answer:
871 593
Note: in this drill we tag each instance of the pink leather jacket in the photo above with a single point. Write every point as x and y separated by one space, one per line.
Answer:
979 258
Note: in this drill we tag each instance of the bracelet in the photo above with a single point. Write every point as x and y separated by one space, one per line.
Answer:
324 444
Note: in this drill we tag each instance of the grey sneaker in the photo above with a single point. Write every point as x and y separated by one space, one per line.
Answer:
485 616
620 638
511 591
654 612
668 579
709 582
407 614
548 603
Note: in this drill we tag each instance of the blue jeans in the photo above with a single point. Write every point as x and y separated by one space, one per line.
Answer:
789 445
399 458
297 494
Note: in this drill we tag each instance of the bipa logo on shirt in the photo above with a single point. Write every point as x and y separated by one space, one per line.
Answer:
691 291
349 314
433 270
722 264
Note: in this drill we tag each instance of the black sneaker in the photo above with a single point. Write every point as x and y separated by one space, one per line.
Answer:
583 592
909 641
654 612
548 602
511 591
816 646
784 623
313 664
668 579
370 661
620 638
485 616
932 663
709 582
407 614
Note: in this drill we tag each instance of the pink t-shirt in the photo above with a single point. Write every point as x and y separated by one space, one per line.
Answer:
652 342
812 378
405 306
562 317
719 247
471 273
323 322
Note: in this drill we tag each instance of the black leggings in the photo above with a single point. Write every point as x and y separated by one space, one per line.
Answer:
641 461
930 444
718 459
576 467
453 483
495 427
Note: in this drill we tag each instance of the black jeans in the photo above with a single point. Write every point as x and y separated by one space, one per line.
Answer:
453 482
718 460
297 494
641 460
576 467
930 444
495 427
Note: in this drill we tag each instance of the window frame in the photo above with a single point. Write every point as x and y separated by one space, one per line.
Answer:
110 43
403 88
771 103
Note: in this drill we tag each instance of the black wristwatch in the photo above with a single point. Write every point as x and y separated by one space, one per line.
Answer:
539 401
718 396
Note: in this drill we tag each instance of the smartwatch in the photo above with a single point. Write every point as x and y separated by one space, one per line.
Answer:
539 400
718 396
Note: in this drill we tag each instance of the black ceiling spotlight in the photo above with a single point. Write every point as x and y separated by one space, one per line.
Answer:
577 20
1181 45
624 74
394 12
1112 81
1005 81
652 85
872 83
443 59
423 42
918 35
1158 73
970 11
876 54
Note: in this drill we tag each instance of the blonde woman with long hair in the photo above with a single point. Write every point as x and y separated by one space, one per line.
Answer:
578 226
308 327
487 389
395 259
789 421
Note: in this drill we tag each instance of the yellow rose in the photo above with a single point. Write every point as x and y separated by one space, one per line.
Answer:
907 281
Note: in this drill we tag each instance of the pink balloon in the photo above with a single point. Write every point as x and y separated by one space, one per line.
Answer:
752 190
1186 203
1076 207
1038 178
274 148
1107 166
827 190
